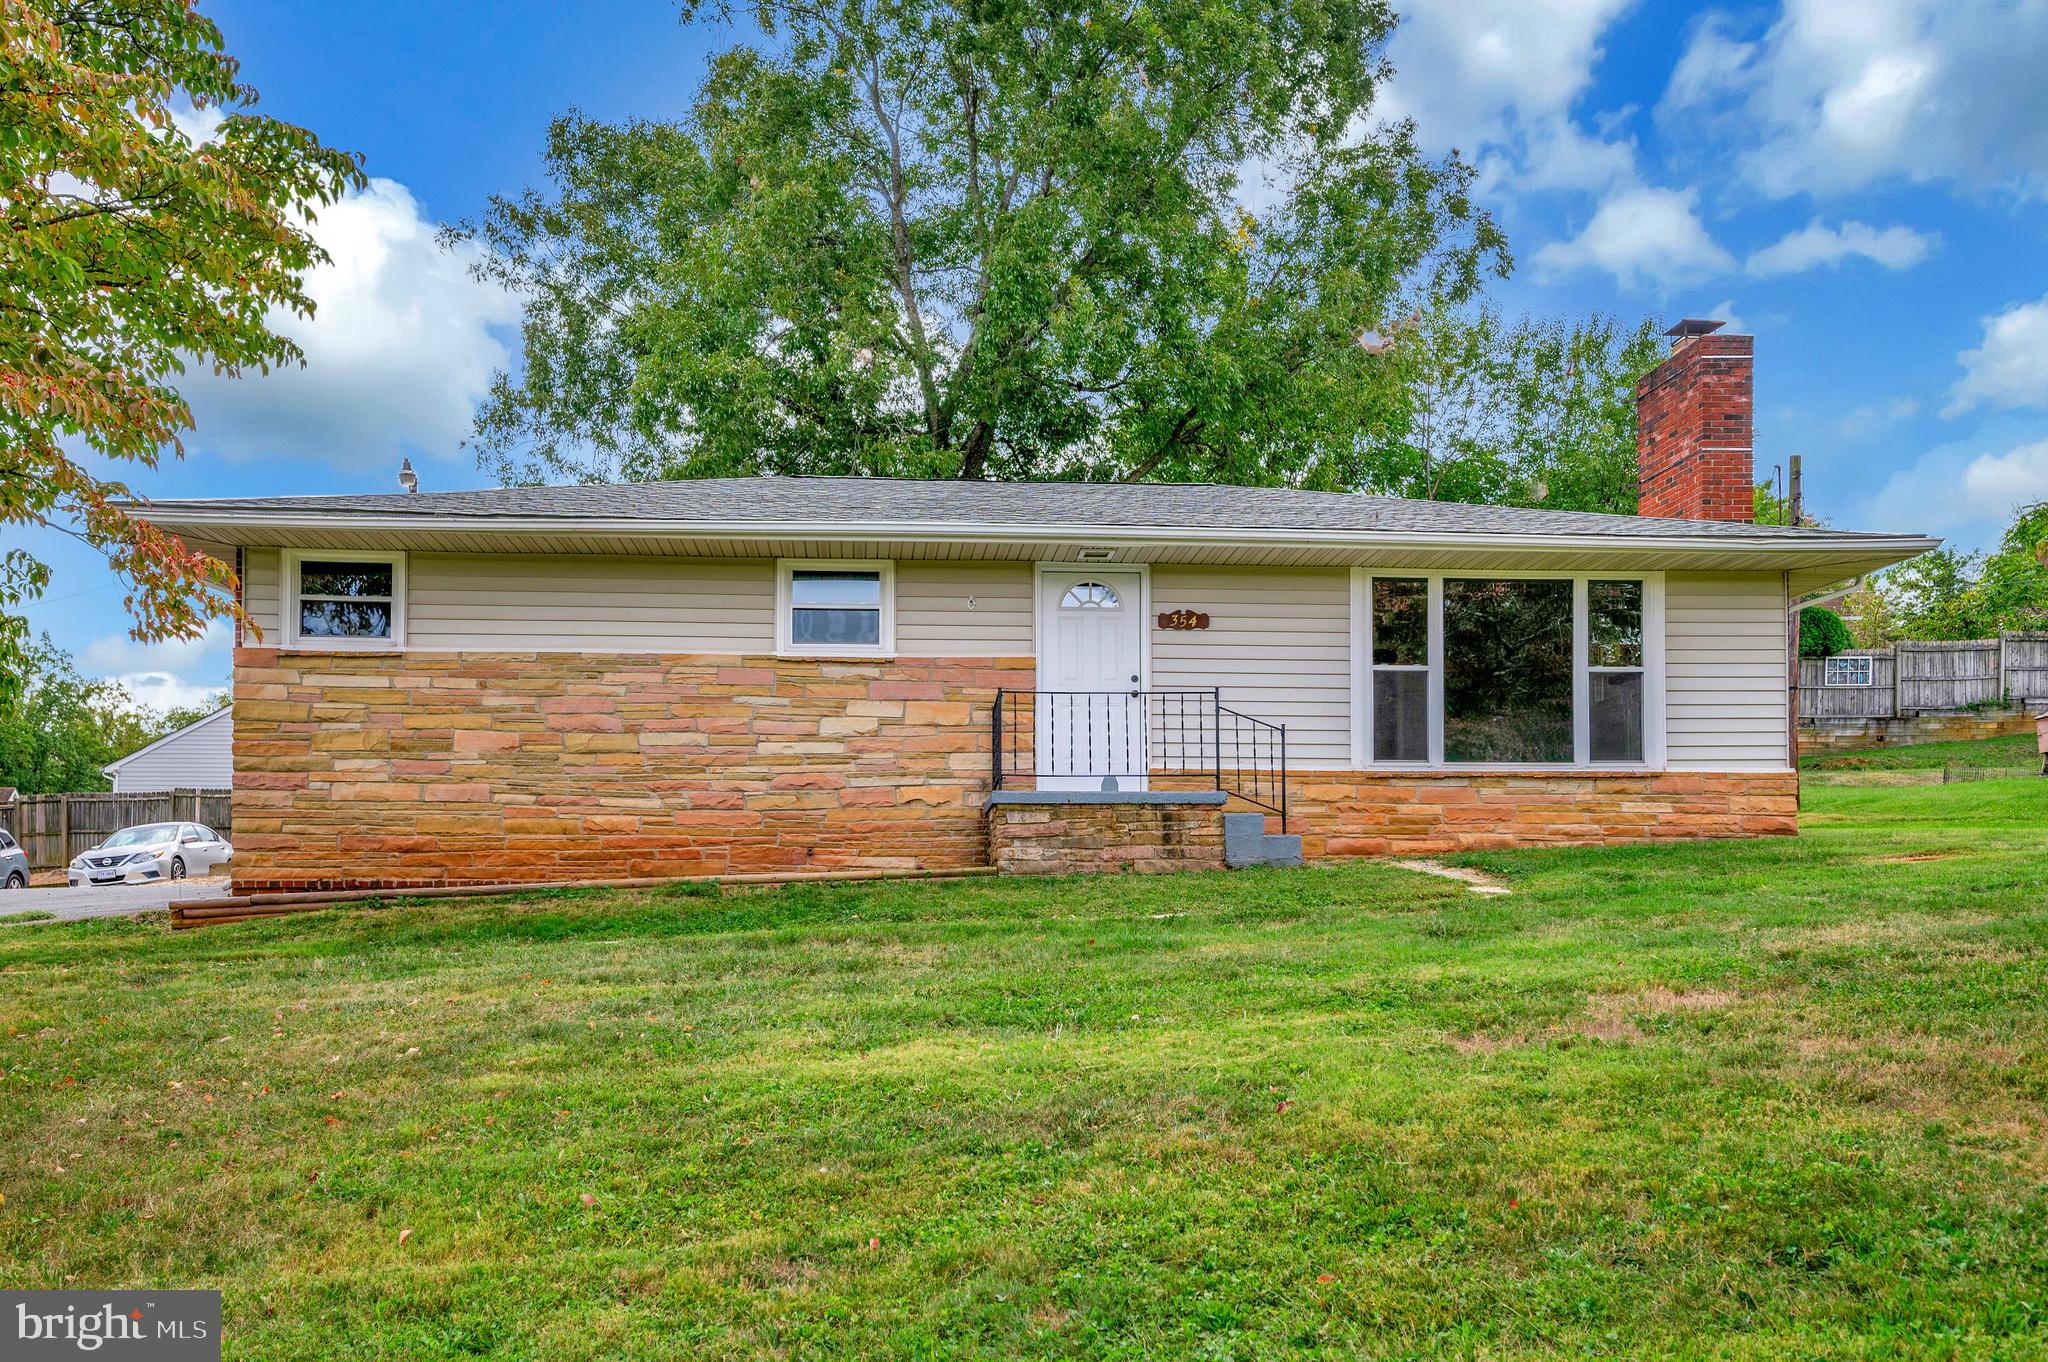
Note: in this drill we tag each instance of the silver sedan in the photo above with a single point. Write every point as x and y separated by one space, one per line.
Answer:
151 852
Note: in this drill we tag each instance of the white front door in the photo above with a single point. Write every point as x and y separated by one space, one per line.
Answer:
1091 705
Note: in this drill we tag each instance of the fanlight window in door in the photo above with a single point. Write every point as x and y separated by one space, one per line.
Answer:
1090 596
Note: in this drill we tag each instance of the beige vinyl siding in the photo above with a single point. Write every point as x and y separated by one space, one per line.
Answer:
261 592
1724 672
544 603
953 609
1278 644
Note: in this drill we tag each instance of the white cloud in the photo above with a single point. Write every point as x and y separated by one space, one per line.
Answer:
1876 415
1838 95
398 351
198 124
161 690
1497 79
120 653
1817 244
163 675
2010 367
1950 490
1641 236
1724 313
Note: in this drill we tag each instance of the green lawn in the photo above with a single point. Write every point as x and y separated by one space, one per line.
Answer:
1754 1100
1982 752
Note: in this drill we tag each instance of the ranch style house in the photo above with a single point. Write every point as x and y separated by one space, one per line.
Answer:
811 674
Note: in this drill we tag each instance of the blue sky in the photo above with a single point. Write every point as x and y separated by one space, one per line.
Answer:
1862 185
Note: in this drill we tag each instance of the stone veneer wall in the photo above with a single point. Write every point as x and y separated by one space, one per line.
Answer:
1357 813
1066 839
404 769
1845 735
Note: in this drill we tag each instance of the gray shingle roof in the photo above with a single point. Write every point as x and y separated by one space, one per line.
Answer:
827 502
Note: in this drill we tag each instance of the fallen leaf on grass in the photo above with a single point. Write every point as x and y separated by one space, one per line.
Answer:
404 1235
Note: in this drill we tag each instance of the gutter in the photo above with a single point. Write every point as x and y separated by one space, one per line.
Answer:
969 532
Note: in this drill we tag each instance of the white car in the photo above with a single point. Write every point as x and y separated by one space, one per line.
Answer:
152 851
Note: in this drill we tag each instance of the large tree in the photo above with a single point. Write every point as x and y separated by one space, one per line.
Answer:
1161 239
62 728
1949 594
127 250
1537 412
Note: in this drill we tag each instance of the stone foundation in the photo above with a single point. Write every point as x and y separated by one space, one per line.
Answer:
381 770
1358 813
396 770
1057 833
1846 735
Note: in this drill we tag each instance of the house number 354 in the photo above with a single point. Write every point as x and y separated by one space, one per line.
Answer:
1183 619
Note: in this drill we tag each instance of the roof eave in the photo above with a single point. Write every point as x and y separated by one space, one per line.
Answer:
968 532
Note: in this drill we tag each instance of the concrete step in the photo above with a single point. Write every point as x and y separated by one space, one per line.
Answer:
1246 842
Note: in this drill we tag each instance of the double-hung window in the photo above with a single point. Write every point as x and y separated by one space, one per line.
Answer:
1499 670
1614 669
836 608
1400 668
344 599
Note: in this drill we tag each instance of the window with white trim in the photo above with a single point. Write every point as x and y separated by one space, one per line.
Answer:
1614 669
1400 668
1506 670
1845 671
1090 596
344 599
836 608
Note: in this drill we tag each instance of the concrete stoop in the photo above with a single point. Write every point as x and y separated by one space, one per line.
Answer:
1065 832
1246 843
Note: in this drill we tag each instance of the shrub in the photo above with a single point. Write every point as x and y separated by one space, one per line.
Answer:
1822 633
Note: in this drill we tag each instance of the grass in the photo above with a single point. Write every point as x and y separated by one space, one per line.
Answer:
1746 1100
2017 751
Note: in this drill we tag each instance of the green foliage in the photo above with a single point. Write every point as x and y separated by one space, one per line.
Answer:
184 716
1538 413
128 250
1951 595
936 240
1822 633
1772 509
63 728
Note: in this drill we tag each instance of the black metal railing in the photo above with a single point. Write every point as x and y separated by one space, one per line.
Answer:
1130 737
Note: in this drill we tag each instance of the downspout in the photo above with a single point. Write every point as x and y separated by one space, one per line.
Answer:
1792 609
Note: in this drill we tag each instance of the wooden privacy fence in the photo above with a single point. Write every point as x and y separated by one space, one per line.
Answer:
1922 678
52 828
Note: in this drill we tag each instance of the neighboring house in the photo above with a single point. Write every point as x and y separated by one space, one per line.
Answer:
822 673
199 756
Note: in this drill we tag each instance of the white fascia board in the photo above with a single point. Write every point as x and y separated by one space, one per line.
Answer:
964 532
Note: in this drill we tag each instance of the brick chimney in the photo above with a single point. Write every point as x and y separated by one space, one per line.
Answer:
1694 419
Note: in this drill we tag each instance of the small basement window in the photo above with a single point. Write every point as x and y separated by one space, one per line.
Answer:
337 599
1845 671
836 608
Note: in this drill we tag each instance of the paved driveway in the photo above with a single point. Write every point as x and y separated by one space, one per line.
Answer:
108 900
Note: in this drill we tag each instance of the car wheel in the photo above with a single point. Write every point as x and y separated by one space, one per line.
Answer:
177 867
17 880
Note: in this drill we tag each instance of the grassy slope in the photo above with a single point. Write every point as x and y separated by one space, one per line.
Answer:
2013 751
1748 1100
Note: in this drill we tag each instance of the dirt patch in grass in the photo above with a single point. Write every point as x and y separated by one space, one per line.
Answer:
1916 857
1478 881
1609 1017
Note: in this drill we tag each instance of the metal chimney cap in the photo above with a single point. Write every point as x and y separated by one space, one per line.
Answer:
408 479
1695 326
